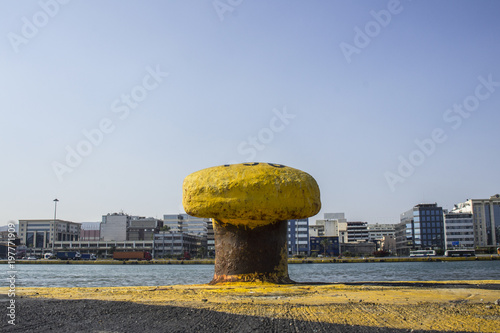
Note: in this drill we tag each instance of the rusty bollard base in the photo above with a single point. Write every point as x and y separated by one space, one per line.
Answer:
249 204
243 256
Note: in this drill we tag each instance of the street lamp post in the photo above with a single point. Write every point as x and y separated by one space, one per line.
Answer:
54 226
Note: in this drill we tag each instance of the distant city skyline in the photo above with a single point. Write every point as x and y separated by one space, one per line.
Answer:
109 106
312 220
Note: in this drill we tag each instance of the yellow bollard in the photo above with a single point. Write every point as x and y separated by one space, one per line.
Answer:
250 204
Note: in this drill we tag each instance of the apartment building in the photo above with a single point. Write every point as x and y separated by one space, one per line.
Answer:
357 231
298 237
485 217
378 231
459 230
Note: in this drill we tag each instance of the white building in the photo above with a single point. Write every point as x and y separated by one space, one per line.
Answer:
459 230
336 225
39 234
316 230
105 249
298 236
378 231
114 227
486 219
333 225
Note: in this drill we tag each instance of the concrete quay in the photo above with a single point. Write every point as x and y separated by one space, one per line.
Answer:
449 306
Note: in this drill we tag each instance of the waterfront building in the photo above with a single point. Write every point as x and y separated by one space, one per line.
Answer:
38 235
383 235
210 239
359 248
298 237
175 244
388 244
421 228
114 227
357 231
173 222
377 231
123 227
90 231
459 230
486 219
7 241
105 249
187 224
142 228
327 246
316 230
333 224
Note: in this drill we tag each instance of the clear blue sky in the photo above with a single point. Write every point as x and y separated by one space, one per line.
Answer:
108 105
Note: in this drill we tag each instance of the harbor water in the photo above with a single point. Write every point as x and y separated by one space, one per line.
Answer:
37 275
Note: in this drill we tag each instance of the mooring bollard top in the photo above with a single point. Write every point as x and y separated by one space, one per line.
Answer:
251 194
